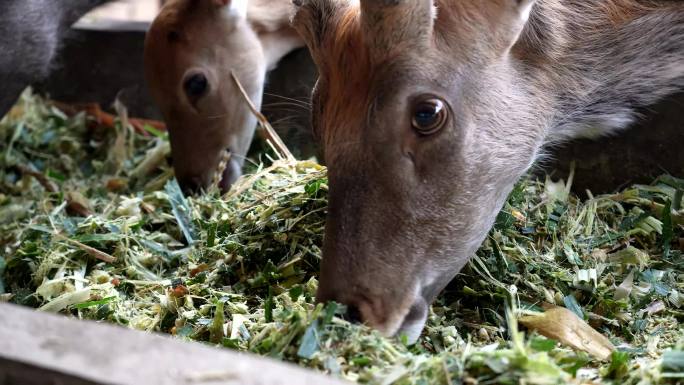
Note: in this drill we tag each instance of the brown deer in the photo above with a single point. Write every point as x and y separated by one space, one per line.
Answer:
191 51
430 110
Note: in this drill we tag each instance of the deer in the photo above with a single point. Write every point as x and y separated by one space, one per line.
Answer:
31 34
429 111
194 51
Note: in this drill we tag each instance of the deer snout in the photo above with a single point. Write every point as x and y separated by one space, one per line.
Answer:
191 185
394 315
196 183
360 309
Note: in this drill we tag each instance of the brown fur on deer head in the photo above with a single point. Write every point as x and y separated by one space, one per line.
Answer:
422 140
191 51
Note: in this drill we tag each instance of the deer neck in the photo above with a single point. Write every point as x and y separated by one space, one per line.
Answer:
599 61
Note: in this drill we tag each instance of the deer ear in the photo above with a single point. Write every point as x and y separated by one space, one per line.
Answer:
234 7
319 21
524 9
515 14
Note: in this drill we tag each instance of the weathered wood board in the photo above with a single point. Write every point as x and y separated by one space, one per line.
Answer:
39 348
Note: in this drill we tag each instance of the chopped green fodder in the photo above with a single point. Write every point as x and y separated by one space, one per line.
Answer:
92 225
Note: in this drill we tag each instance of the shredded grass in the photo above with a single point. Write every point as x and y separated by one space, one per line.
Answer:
92 225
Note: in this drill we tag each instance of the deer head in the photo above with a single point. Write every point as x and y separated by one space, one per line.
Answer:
426 123
190 51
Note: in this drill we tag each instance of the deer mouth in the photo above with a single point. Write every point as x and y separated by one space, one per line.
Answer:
229 171
414 322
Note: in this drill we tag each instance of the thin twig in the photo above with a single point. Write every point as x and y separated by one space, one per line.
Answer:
95 253
47 184
278 145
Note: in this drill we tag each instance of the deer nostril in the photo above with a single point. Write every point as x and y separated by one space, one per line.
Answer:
353 315
191 186
330 294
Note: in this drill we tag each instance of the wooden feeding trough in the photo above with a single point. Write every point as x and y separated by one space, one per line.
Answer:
39 348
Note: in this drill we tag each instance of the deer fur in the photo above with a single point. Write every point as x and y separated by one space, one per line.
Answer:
407 211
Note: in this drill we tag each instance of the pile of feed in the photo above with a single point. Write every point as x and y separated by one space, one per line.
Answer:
92 225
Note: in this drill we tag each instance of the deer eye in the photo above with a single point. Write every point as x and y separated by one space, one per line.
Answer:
195 86
429 116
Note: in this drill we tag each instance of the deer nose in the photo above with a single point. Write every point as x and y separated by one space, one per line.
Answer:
360 309
407 318
191 186
353 315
